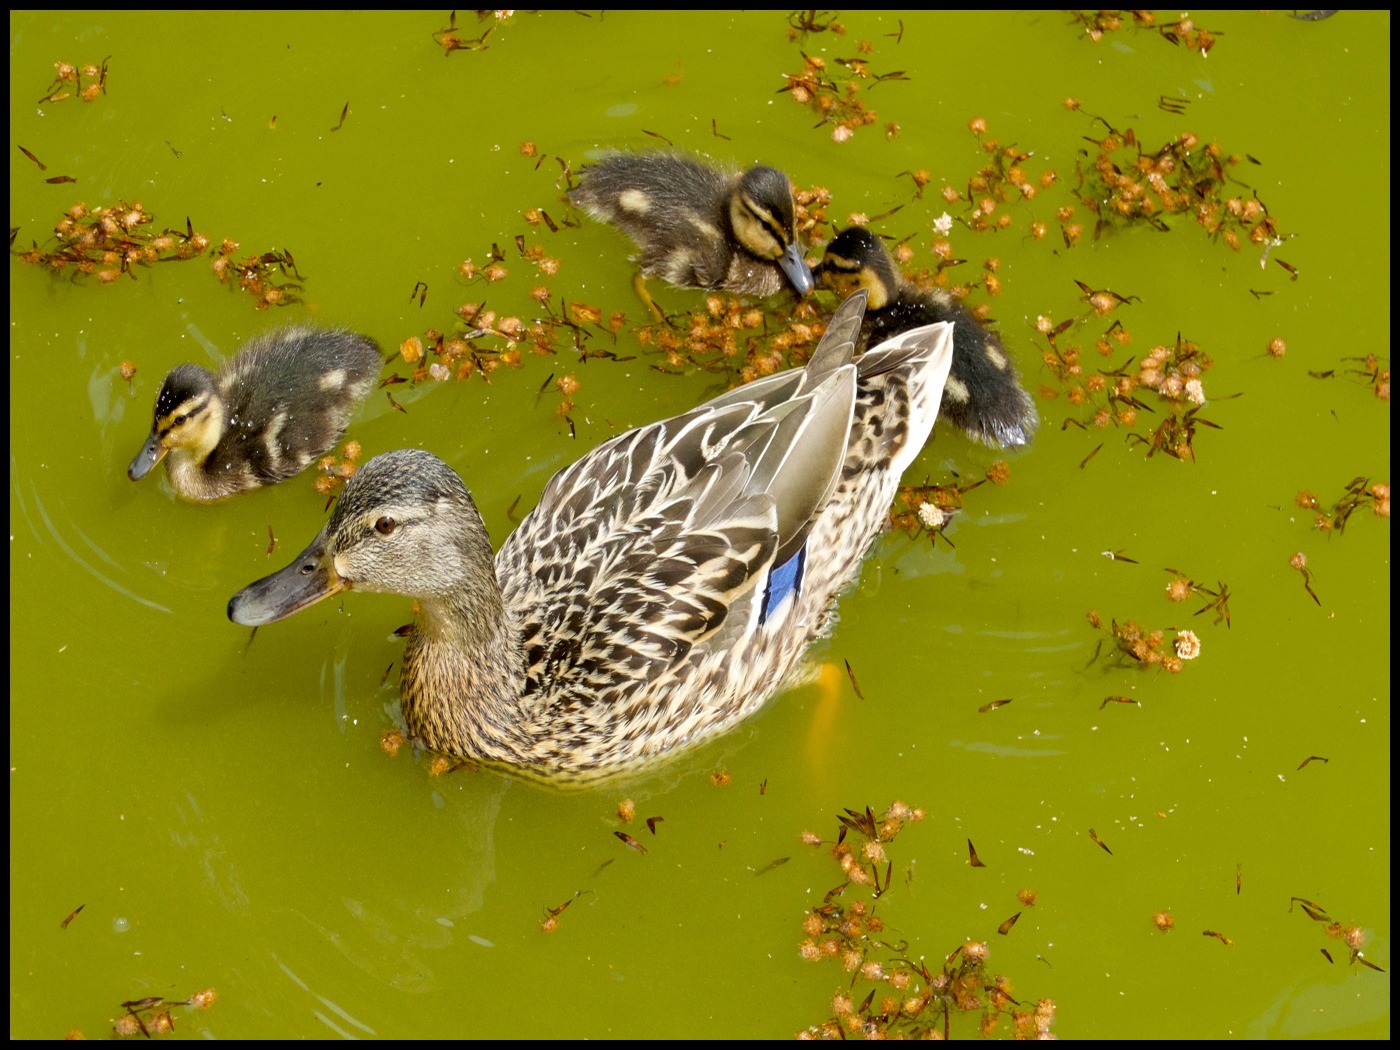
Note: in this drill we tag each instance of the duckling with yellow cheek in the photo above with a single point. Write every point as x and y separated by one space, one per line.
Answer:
984 396
283 400
699 226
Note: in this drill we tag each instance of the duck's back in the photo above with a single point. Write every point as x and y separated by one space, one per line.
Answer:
661 598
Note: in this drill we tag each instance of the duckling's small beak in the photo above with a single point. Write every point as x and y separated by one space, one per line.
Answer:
304 582
797 270
152 452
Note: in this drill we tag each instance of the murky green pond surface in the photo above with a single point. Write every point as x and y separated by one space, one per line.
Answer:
223 811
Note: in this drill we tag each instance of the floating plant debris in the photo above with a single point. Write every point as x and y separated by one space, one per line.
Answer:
928 508
151 1015
909 997
836 89
69 81
1360 492
450 40
1217 601
1183 32
1133 644
1299 563
107 242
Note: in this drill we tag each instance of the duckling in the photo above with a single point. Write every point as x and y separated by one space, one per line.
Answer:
984 396
283 400
698 226
665 584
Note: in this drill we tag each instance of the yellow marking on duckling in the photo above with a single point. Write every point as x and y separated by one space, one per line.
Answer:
332 380
186 412
755 229
270 437
704 226
955 390
198 435
635 201
679 268
995 355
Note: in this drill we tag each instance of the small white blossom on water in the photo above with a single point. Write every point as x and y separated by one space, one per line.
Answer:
1187 645
943 224
1195 391
933 516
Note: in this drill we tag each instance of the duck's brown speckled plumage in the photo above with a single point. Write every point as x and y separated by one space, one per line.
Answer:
636 609
984 395
699 226
280 402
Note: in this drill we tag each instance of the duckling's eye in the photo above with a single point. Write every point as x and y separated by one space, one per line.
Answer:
385 526
179 421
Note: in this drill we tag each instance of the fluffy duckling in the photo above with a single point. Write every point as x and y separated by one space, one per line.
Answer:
984 395
283 400
699 226
665 583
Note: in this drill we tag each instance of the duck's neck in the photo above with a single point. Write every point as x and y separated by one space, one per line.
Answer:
463 675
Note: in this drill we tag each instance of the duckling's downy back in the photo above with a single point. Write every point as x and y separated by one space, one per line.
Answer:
983 395
699 226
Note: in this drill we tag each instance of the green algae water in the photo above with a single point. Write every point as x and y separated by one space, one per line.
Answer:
1198 848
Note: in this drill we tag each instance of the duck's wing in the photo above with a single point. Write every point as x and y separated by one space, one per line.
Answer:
644 548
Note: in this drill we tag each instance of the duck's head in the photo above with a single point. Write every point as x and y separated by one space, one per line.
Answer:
189 415
405 524
764 221
856 259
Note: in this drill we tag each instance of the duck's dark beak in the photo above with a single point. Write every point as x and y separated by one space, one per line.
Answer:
152 452
797 270
304 582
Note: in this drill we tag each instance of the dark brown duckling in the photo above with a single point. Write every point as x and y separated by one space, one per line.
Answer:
984 395
699 226
280 402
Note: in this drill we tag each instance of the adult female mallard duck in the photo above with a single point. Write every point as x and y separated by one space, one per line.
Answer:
665 583
283 400
983 395
699 226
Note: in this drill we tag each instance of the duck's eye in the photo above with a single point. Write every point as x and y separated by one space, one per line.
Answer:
385 526
179 421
